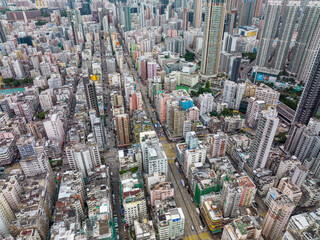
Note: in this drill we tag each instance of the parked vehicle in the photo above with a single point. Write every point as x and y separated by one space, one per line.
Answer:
198 211
182 183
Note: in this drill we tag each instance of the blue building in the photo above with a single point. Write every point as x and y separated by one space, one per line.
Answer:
186 103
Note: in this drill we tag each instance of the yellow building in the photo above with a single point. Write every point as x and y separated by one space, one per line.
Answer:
213 216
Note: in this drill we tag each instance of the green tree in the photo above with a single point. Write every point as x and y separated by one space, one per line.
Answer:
226 113
103 161
189 56
207 84
40 22
251 56
63 13
41 115
134 169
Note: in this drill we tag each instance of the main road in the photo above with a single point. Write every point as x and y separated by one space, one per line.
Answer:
111 156
181 195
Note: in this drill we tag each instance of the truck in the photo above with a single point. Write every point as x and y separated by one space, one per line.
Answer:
182 183
198 211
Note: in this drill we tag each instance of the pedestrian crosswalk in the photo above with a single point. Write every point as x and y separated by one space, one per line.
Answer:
171 155
203 236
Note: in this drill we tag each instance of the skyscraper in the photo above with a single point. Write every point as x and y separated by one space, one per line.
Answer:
309 103
141 8
261 144
127 18
83 157
75 33
3 36
54 129
246 12
105 24
294 136
218 144
197 13
255 107
257 11
235 69
269 30
289 20
307 28
277 217
91 95
212 39
230 22
98 130
123 129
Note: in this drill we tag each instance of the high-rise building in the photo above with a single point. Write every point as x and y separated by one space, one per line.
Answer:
151 69
299 175
132 197
243 228
264 135
91 95
231 20
45 100
212 216
233 93
6 215
309 103
35 165
141 9
290 189
289 20
310 21
75 34
229 92
197 13
269 31
18 69
176 45
212 39
294 136
268 95
123 129
127 18
98 130
236 193
205 103
257 12
105 24
54 129
154 157
170 223
246 12
3 36
83 157
161 191
253 114
308 146
235 69
178 116
218 144
277 217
